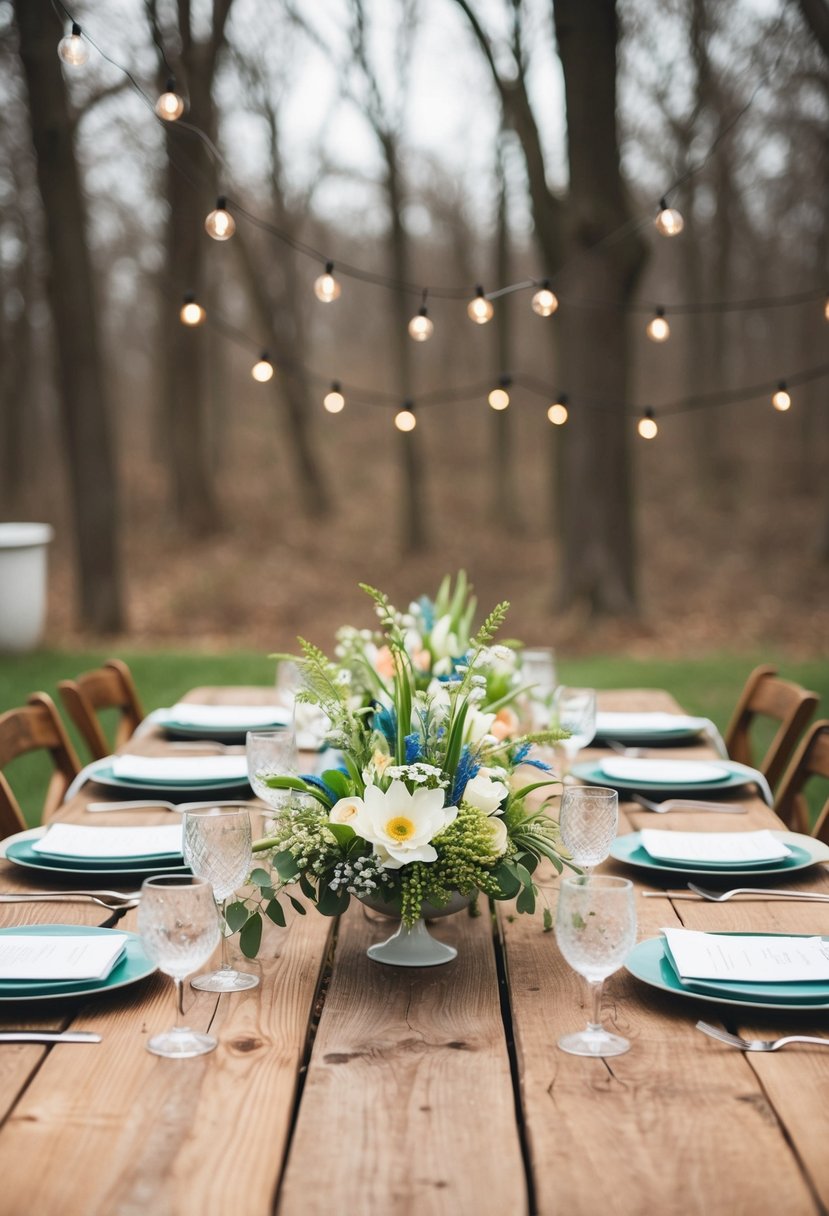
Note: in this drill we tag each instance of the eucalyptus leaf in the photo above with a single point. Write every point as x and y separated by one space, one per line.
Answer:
236 914
299 908
251 936
286 866
526 900
275 912
333 903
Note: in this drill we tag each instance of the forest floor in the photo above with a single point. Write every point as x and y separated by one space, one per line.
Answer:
726 564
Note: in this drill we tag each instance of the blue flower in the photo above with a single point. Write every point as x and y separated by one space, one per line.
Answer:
385 720
427 613
320 785
520 754
468 767
414 748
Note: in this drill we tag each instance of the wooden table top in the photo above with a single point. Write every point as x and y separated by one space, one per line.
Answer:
344 1086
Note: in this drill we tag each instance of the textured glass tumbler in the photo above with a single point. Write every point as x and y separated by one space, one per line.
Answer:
588 821
217 846
271 753
595 931
179 929
574 710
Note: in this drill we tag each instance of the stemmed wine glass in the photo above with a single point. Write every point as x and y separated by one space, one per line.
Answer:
574 710
271 753
595 931
179 928
538 669
217 845
588 819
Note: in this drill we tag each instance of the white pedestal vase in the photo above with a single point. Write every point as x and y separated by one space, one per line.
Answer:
22 584
415 946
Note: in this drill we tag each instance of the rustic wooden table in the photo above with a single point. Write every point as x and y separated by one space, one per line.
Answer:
343 1086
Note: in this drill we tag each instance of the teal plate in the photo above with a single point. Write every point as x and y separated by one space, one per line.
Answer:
592 773
647 962
103 774
805 852
18 849
134 966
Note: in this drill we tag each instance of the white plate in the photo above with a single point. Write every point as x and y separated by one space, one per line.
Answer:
663 772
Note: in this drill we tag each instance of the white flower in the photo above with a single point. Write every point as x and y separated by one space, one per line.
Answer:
498 829
484 793
346 811
477 726
400 825
443 641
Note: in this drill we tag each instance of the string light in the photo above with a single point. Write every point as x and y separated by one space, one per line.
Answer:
781 399
220 224
669 221
405 419
170 104
826 309
334 401
499 397
326 287
480 309
72 49
558 412
658 329
263 370
545 301
647 424
421 327
192 312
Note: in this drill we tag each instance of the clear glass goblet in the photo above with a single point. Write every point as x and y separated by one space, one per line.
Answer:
179 929
538 669
217 845
271 753
588 820
574 710
595 931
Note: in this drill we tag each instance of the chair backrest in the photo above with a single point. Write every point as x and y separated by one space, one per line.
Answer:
107 687
766 695
812 760
33 727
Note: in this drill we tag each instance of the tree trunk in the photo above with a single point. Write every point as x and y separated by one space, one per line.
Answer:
70 291
504 499
186 404
598 553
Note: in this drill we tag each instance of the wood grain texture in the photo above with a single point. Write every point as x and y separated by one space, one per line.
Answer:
137 1134
408 1106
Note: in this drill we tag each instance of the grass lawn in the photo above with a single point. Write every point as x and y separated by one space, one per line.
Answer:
707 686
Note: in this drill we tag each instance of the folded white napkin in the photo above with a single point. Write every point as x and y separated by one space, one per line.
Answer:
76 840
650 723
669 772
38 956
719 847
747 958
238 717
200 770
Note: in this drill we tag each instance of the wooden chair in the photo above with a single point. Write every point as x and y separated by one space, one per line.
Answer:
107 687
34 727
766 695
812 760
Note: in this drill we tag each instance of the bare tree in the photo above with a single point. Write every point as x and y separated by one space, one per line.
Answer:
588 238
71 295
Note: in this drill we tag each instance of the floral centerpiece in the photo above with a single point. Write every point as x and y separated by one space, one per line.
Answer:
427 809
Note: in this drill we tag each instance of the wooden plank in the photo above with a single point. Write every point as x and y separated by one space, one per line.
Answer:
134 1133
408 1106
660 1129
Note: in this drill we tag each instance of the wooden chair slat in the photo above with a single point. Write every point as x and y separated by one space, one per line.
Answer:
107 687
811 760
35 726
767 695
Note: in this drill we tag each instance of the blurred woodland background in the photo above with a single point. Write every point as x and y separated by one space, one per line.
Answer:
441 144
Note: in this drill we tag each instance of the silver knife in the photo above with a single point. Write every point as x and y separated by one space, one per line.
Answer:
49 1036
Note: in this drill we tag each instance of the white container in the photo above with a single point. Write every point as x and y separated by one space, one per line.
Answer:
22 584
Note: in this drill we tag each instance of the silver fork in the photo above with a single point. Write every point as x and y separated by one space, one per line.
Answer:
157 804
720 897
687 804
734 1040
634 753
112 900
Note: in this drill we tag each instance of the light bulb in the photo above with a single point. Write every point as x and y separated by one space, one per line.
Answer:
326 287
826 309
479 309
263 369
647 425
170 105
781 399
220 224
334 401
669 221
404 419
658 329
544 302
558 412
499 397
191 313
421 326
72 49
